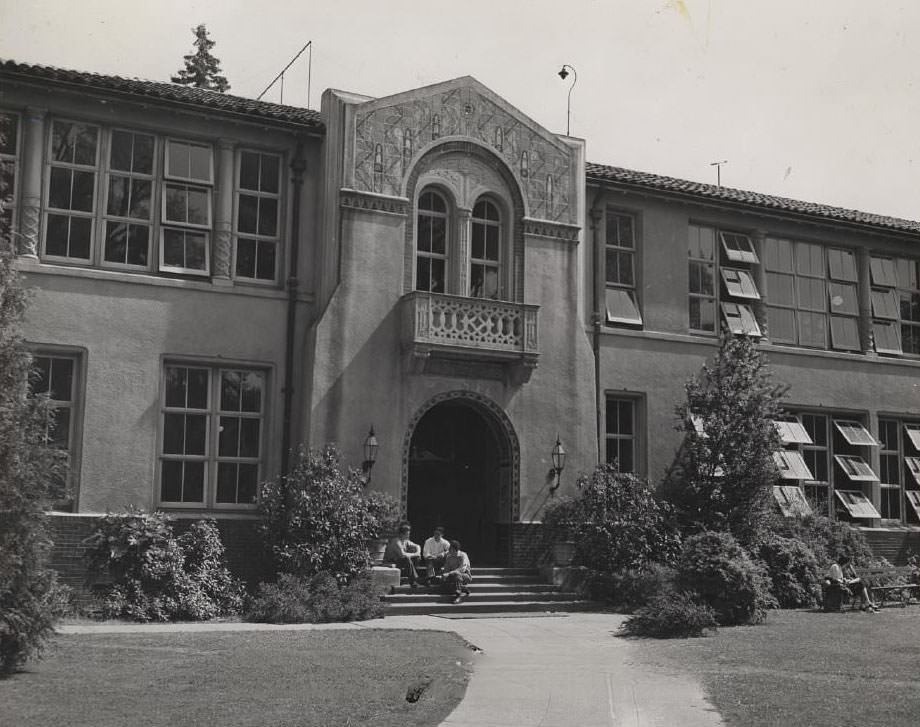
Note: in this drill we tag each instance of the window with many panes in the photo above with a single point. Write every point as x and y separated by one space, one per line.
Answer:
9 163
721 279
431 243
55 377
186 221
73 159
622 305
837 460
485 251
258 204
889 468
211 431
129 199
813 298
899 467
622 434
895 305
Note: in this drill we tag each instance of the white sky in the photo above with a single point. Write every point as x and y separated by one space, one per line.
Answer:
811 99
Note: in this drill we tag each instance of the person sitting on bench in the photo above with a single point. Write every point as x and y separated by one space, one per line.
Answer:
842 573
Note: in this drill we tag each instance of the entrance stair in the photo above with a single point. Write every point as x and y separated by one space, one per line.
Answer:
493 591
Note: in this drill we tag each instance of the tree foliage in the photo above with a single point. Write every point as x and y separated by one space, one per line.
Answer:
31 478
317 518
723 476
202 70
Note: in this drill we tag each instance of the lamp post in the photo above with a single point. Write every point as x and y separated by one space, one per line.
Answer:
563 74
371 445
558 463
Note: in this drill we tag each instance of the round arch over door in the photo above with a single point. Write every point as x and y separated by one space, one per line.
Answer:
460 470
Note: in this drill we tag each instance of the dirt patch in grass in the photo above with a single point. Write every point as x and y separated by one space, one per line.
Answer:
805 668
278 678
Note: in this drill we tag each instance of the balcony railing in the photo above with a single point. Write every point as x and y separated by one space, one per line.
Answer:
472 328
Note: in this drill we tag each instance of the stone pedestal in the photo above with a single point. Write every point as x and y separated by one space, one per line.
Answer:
385 578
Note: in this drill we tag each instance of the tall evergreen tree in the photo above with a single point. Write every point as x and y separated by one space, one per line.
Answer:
30 481
202 70
723 477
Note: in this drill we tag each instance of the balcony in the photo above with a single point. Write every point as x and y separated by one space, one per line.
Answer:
471 337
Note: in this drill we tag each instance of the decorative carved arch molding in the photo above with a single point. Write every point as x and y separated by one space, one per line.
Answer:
502 428
468 170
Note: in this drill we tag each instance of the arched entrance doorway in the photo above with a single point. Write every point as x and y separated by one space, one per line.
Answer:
461 473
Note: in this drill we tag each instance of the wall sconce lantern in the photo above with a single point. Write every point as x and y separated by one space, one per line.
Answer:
371 445
558 463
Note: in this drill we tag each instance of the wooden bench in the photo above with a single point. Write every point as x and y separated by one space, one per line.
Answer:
883 592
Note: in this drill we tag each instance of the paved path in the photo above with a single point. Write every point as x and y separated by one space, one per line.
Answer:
562 671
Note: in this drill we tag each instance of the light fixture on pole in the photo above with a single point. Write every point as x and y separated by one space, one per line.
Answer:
558 463
563 74
371 445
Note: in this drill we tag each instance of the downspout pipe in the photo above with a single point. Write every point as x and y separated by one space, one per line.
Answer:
597 317
298 167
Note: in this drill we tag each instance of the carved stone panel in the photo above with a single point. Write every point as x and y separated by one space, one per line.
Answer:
389 137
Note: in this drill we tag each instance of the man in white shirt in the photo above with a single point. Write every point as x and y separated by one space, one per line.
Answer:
434 552
457 572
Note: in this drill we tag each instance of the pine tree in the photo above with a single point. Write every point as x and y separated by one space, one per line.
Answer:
202 70
724 473
30 477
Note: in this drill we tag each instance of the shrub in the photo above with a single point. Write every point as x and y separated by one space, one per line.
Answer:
31 479
616 521
384 512
316 518
673 614
716 567
826 538
157 576
629 590
319 599
793 570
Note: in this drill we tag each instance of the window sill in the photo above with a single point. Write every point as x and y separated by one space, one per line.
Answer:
221 286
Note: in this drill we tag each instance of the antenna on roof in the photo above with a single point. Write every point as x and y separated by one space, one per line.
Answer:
718 166
309 46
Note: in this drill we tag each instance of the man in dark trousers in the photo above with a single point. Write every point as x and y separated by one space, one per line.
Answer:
457 573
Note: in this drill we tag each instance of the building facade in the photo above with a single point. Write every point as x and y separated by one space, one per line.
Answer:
216 280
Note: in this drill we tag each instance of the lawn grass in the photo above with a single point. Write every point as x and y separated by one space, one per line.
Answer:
807 668
280 678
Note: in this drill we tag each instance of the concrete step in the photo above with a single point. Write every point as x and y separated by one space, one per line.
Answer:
477 587
495 578
479 597
488 607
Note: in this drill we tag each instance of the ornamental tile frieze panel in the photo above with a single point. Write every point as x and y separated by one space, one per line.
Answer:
388 139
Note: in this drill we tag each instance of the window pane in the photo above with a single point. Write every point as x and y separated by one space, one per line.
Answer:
622 308
193 482
176 203
249 438
59 188
423 274
843 298
119 190
812 329
437 276
247 484
702 314
9 128
492 239
246 258
81 230
59 434
198 206
140 199
226 482
810 260
83 194
266 260
121 153
844 333
171 481
247 214
883 272
781 324
269 177
249 171
268 216
61 379
230 391
143 154
177 156
782 288
176 377
438 236
197 388
812 295
200 163
842 264
196 427
173 433
885 303
778 256
229 439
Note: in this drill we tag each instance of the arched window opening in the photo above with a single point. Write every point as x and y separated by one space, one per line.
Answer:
432 243
485 251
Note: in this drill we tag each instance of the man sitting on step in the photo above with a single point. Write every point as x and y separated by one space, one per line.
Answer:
435 552
403 553
457 573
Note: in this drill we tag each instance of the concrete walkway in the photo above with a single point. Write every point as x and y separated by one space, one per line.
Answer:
553 671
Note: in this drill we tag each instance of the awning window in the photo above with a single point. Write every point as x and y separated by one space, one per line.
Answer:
913 466
791 431
791 500
621 307
738 248
887 337
883 272
739 283
856 468
740 319
913 433
791 466
857 504
885 304
913 499
855 433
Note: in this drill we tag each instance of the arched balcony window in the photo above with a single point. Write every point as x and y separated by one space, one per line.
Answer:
432 245
485 251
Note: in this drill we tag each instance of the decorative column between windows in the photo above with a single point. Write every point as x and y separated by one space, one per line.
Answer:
223 223
864 297
462 265
759 239
31 196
